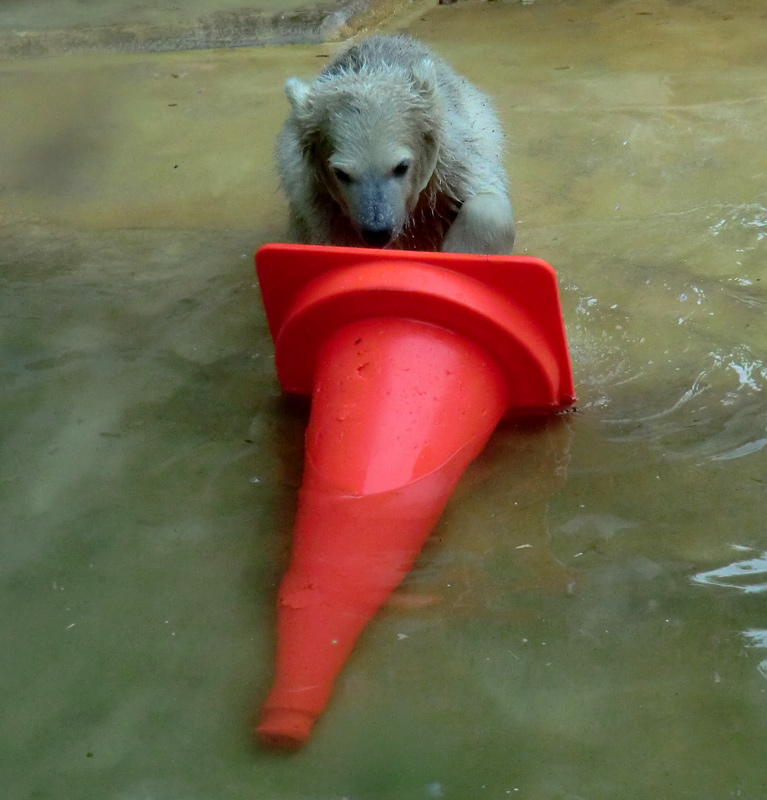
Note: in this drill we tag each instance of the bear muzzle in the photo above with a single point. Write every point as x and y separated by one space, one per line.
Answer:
377 237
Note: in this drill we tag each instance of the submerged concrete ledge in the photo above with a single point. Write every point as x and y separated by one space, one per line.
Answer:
24 36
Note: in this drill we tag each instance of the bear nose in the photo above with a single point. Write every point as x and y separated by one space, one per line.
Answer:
376 237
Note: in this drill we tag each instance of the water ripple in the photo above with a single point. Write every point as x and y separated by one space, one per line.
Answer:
718 416
751 217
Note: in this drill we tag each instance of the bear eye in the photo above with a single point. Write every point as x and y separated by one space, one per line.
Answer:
401 169
343 177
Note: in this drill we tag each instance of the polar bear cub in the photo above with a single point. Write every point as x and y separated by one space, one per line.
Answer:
390 147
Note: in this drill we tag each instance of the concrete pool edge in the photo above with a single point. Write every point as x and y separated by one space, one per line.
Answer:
268 24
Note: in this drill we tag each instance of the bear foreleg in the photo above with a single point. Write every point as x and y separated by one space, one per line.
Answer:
484 225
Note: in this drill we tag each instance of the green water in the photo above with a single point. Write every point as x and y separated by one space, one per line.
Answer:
596 626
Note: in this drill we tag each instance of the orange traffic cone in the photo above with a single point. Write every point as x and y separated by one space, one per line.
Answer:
411 360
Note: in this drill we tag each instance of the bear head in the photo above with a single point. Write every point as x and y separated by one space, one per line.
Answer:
371 139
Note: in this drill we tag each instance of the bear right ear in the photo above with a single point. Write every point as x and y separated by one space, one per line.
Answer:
297 92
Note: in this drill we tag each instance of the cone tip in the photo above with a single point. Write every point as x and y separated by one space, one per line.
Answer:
284 728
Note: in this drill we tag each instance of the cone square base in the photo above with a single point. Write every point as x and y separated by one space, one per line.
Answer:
508 305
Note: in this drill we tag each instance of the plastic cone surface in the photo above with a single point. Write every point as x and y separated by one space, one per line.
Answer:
400 406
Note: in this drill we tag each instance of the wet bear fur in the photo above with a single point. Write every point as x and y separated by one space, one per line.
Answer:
390 147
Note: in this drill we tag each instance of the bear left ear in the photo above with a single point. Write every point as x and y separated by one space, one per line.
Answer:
297 92
424 77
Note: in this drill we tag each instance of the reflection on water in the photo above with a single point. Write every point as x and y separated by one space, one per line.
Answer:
757 638
744 450
748 576
587 620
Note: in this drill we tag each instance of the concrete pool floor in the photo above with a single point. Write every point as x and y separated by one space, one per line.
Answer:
598 625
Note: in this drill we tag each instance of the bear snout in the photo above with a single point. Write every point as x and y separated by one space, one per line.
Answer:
375 209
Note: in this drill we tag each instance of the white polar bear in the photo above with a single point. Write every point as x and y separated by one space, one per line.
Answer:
390 147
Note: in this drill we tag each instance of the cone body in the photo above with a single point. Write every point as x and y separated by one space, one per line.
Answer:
399 409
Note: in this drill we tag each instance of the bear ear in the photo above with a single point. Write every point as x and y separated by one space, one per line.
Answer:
424 77
297 92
